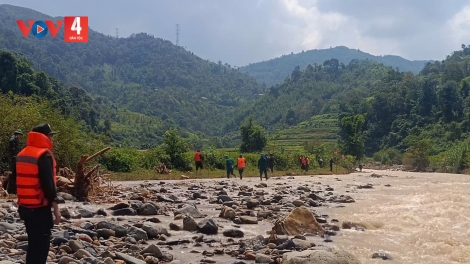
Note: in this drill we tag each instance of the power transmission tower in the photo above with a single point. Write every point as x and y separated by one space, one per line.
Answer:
117 32
177 34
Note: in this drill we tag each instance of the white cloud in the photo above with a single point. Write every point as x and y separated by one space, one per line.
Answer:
245 31
459 27
305 27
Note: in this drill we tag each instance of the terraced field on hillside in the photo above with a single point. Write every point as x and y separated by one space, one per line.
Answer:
323 128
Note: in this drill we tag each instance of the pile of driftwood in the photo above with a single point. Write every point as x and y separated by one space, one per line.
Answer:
86 184
162 169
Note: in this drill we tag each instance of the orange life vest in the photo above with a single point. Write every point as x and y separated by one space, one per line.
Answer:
197 156
304 162
29 190
241 163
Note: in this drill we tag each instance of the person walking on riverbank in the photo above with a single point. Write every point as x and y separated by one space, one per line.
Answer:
263 167
229 166
198 159
241 163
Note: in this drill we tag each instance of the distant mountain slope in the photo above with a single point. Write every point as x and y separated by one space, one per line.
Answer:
274 71
140 73
316 90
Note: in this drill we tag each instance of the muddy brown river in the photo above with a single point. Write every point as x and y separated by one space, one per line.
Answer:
414 217
420 218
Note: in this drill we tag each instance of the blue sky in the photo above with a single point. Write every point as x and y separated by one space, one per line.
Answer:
239 32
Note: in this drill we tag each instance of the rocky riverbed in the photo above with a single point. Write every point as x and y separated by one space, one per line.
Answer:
281 220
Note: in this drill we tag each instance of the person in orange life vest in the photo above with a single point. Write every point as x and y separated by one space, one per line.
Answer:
198 158
241 162
36 191
303 163
307 163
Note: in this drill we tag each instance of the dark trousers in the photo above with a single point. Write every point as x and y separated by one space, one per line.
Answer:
11 181
265 171
198 165
38 223
240 171
271 168
230 172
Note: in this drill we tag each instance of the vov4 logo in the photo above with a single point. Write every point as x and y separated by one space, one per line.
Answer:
75 28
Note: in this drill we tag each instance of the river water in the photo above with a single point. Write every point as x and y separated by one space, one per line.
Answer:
419 218
416 218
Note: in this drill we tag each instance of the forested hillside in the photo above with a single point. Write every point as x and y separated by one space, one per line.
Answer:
29 97
274 71
17 77
434 105
141 73
381 111
317 90
422 121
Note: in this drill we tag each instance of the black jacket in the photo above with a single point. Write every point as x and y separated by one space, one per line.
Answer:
46 177
14 146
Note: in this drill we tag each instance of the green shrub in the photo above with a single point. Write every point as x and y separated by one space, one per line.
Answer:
152 158
121 159
175 147
213 159
348 162
389 156
437 163
24 113
456 159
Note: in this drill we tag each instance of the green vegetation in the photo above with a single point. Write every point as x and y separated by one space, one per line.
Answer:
144 93
19 112
34 106
425 117
275 71
353 135
253 137
322 128
320 89
141 74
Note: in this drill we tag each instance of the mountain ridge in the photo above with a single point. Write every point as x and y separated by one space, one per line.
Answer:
140 73
274 71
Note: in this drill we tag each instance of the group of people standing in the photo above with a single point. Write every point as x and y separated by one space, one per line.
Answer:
265 163
305 163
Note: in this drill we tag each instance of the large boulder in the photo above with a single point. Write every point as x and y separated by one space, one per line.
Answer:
320 257
208 227
299 221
